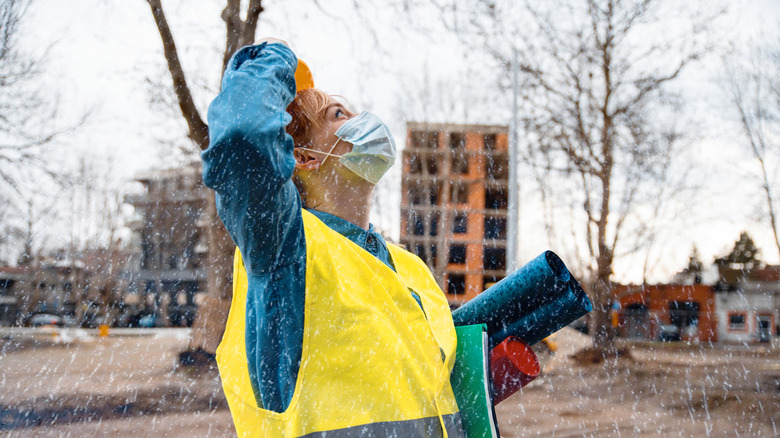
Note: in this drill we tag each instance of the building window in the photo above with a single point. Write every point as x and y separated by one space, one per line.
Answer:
497 166
765 327
424 194
495 228
461 223
490 142
425 139
6 285
459 157
456 284
415 224
737 321
431 165
416 195
459 193
460 162
148 253
685 316
423 162
415 166
496 199
458 254
457 140
419 226
494 259
434 228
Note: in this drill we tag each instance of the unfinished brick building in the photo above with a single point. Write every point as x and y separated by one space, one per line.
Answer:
454 199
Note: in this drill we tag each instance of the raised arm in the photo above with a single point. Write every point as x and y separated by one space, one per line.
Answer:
249 162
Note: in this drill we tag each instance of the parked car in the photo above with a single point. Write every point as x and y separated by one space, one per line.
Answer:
147 321
44 320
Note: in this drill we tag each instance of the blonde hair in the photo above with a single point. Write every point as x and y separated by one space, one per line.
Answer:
307 111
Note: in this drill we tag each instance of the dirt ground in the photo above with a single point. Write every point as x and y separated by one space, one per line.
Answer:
76 384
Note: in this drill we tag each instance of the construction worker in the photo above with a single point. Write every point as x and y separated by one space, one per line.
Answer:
336 331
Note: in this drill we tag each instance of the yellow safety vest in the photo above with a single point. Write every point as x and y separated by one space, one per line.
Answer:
373 363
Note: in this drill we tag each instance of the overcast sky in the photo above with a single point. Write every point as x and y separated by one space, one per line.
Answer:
104 57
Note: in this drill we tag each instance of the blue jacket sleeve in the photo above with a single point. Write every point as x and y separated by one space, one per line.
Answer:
249 161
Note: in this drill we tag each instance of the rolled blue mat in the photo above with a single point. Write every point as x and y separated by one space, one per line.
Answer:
529 287
548 318
513 300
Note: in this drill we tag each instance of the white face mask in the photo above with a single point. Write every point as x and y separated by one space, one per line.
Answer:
373 147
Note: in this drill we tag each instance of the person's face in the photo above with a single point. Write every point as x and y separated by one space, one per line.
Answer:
336 114
324 138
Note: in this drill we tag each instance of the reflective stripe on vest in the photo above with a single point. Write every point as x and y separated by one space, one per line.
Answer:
424 427
372 362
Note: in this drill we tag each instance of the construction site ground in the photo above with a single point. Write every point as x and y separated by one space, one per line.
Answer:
74 383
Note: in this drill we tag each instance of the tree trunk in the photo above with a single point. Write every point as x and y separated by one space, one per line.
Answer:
209 323
603 332
213 310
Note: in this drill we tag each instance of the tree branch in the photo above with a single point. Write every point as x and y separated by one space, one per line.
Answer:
199 132
233 24
253 12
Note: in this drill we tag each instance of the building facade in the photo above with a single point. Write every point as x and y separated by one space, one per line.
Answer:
169 234
454 199
12 279
671 312
64 286
748 305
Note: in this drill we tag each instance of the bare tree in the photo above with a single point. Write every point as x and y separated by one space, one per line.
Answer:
93 215
753 86
212 314
209 324
28 113
35 213
11 232
593 77
24 110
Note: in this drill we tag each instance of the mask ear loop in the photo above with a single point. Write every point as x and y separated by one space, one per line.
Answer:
328 154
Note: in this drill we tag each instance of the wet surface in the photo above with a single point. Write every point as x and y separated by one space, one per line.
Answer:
663 389
64 384
81 408
131 386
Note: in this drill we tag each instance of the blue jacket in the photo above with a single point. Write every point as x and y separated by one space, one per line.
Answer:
249 163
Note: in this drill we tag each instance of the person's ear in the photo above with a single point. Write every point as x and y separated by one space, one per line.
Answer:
305 160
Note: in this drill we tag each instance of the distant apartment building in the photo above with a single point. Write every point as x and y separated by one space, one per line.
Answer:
454 199
169 233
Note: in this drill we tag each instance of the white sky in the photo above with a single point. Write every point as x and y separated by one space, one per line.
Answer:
102 55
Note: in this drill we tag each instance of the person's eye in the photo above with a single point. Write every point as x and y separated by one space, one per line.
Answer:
340 114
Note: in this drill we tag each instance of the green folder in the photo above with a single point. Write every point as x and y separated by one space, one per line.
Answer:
470 381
